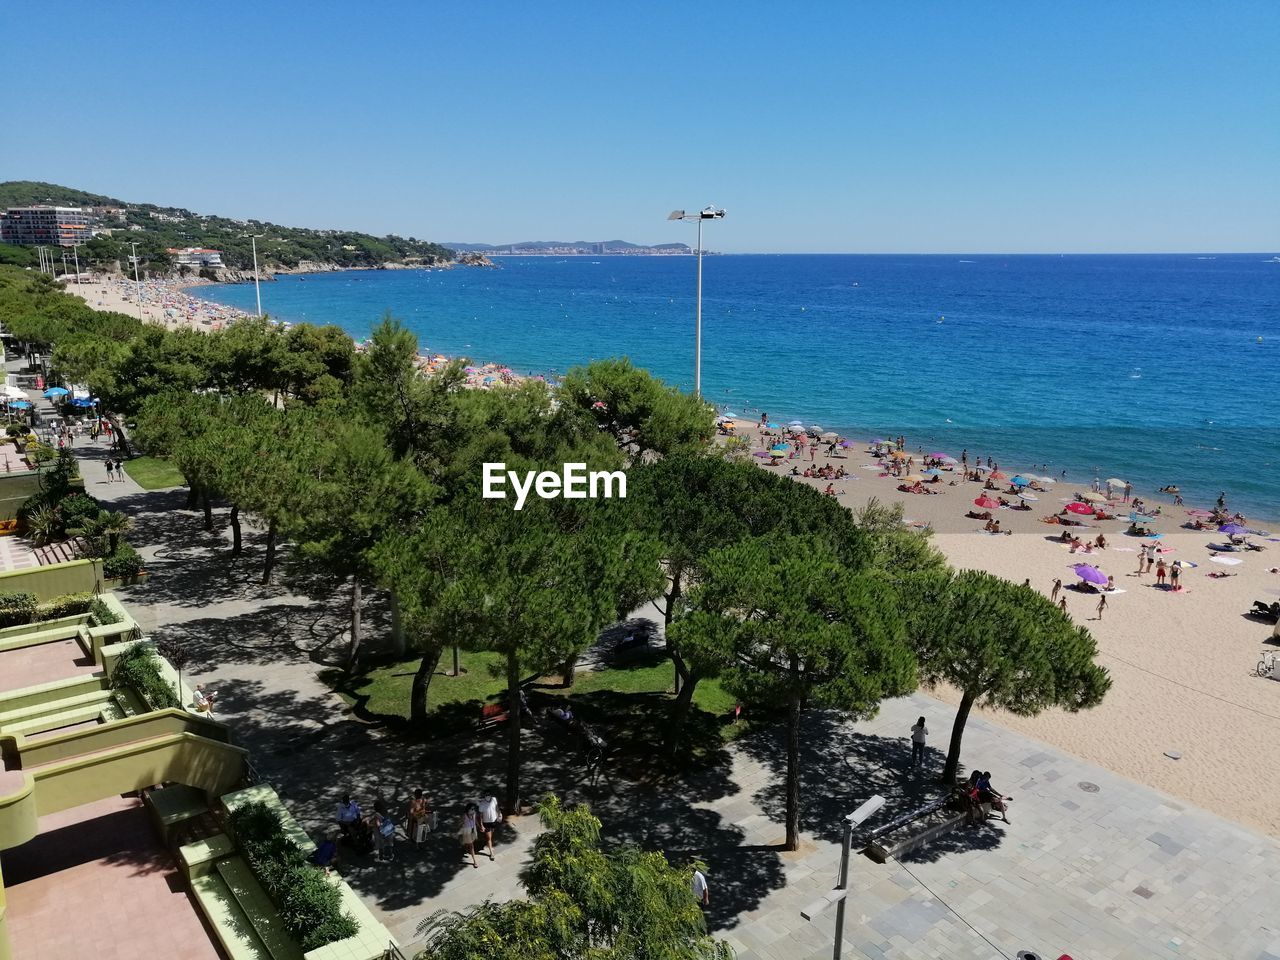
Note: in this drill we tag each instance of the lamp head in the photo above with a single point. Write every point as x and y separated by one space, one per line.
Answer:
711 213
676 215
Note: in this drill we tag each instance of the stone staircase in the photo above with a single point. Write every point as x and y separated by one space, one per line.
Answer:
52 553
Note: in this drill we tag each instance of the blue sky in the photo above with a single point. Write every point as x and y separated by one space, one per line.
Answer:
840 127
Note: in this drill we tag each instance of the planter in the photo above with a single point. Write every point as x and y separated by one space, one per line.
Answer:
110 583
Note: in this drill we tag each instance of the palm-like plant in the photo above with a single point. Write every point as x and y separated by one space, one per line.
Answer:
44 526
113 523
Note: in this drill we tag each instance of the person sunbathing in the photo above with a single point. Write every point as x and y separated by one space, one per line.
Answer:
974 515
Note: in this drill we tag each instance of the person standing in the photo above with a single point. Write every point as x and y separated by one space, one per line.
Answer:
918 735
701 891
1102 605
111 471
1161 572
468 830
1174 572
1128 491
489 818
1062 604
1057 589
418 818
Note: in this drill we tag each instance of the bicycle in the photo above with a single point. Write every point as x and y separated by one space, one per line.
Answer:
1267 667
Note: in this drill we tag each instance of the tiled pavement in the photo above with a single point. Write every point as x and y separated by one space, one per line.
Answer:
1120 871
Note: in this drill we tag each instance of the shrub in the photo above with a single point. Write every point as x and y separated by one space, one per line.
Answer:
122 564
16 608
76 507
309 905
15 430
102 613
139 670
68 605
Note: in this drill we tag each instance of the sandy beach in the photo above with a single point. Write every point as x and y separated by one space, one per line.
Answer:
163 301
1181 663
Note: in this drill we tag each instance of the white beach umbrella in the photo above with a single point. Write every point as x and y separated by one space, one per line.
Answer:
829 436
1094 497
1028 496
1117 483
15 393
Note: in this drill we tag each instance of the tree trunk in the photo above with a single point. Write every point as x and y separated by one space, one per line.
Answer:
208 508
357 602
952 766
681 674
270 560
567 670
512 805
457 664
236 541
117 433
680 713
422 683
397 627
193 495
793 775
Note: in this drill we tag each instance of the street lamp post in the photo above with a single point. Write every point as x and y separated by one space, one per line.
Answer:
707 213
75 252
840 894
137 284
256 289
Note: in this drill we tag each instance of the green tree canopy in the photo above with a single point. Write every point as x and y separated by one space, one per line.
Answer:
1002 645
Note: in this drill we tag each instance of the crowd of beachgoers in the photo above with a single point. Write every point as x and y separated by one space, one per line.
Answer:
1179 596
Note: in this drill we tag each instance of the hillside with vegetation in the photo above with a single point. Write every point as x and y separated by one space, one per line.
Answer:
156 228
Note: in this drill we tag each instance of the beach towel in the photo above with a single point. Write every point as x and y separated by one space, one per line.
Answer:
1227 561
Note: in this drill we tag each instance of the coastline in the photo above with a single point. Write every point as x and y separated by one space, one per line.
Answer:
1180 662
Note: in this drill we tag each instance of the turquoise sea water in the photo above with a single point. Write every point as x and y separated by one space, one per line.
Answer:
1157 369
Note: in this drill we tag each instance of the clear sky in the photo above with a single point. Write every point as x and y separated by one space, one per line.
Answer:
835 127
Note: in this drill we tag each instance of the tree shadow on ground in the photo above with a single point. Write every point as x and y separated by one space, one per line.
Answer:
841 768
261 635
121 837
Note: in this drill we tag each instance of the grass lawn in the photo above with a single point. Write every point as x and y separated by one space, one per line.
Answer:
628 703
152 473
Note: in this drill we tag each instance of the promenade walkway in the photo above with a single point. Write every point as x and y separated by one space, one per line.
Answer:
1093 865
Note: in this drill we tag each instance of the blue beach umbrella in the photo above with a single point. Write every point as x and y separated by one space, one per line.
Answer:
56 392
1233 529
772 426
931 472
1020 481
20 404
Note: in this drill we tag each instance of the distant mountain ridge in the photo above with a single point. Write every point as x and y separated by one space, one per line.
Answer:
583 246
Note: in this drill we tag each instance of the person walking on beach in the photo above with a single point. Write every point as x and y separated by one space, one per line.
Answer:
1102 605
1062 604
1057 589
918 734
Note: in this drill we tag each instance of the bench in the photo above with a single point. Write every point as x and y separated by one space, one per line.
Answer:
198 857
492 714
258 907
229 921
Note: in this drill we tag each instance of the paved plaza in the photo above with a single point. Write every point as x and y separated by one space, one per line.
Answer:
1093 865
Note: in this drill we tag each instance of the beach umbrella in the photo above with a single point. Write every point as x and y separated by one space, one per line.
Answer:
1028 496
1094 497
815 428
1090 574
1020 481
829 437
986 503
898 455
795 423
17 393
1233 529
1080 508
938 455
760 453
845 443
1185 564
56 392
1114 482
982 468
773 426
1046 480
20 404
1202 514
913 478
729 415
931 472
950 461
879 440
997 475
470 370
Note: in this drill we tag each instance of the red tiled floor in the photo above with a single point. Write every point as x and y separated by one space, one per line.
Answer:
96 882
28 666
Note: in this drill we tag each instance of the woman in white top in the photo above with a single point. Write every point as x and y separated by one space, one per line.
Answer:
918 734
489 818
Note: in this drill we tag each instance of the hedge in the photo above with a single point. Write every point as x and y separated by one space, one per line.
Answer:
102 613
122 564
20 608
309 905
139 669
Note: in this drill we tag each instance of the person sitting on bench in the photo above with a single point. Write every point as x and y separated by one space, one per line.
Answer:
989 794
203 701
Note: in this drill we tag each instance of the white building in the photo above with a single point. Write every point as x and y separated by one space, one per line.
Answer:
195 257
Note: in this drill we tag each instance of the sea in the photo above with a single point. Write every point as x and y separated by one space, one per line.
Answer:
1155 369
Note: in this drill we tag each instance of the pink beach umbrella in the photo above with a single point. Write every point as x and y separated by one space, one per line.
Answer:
1080 508
986 503
1090 574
